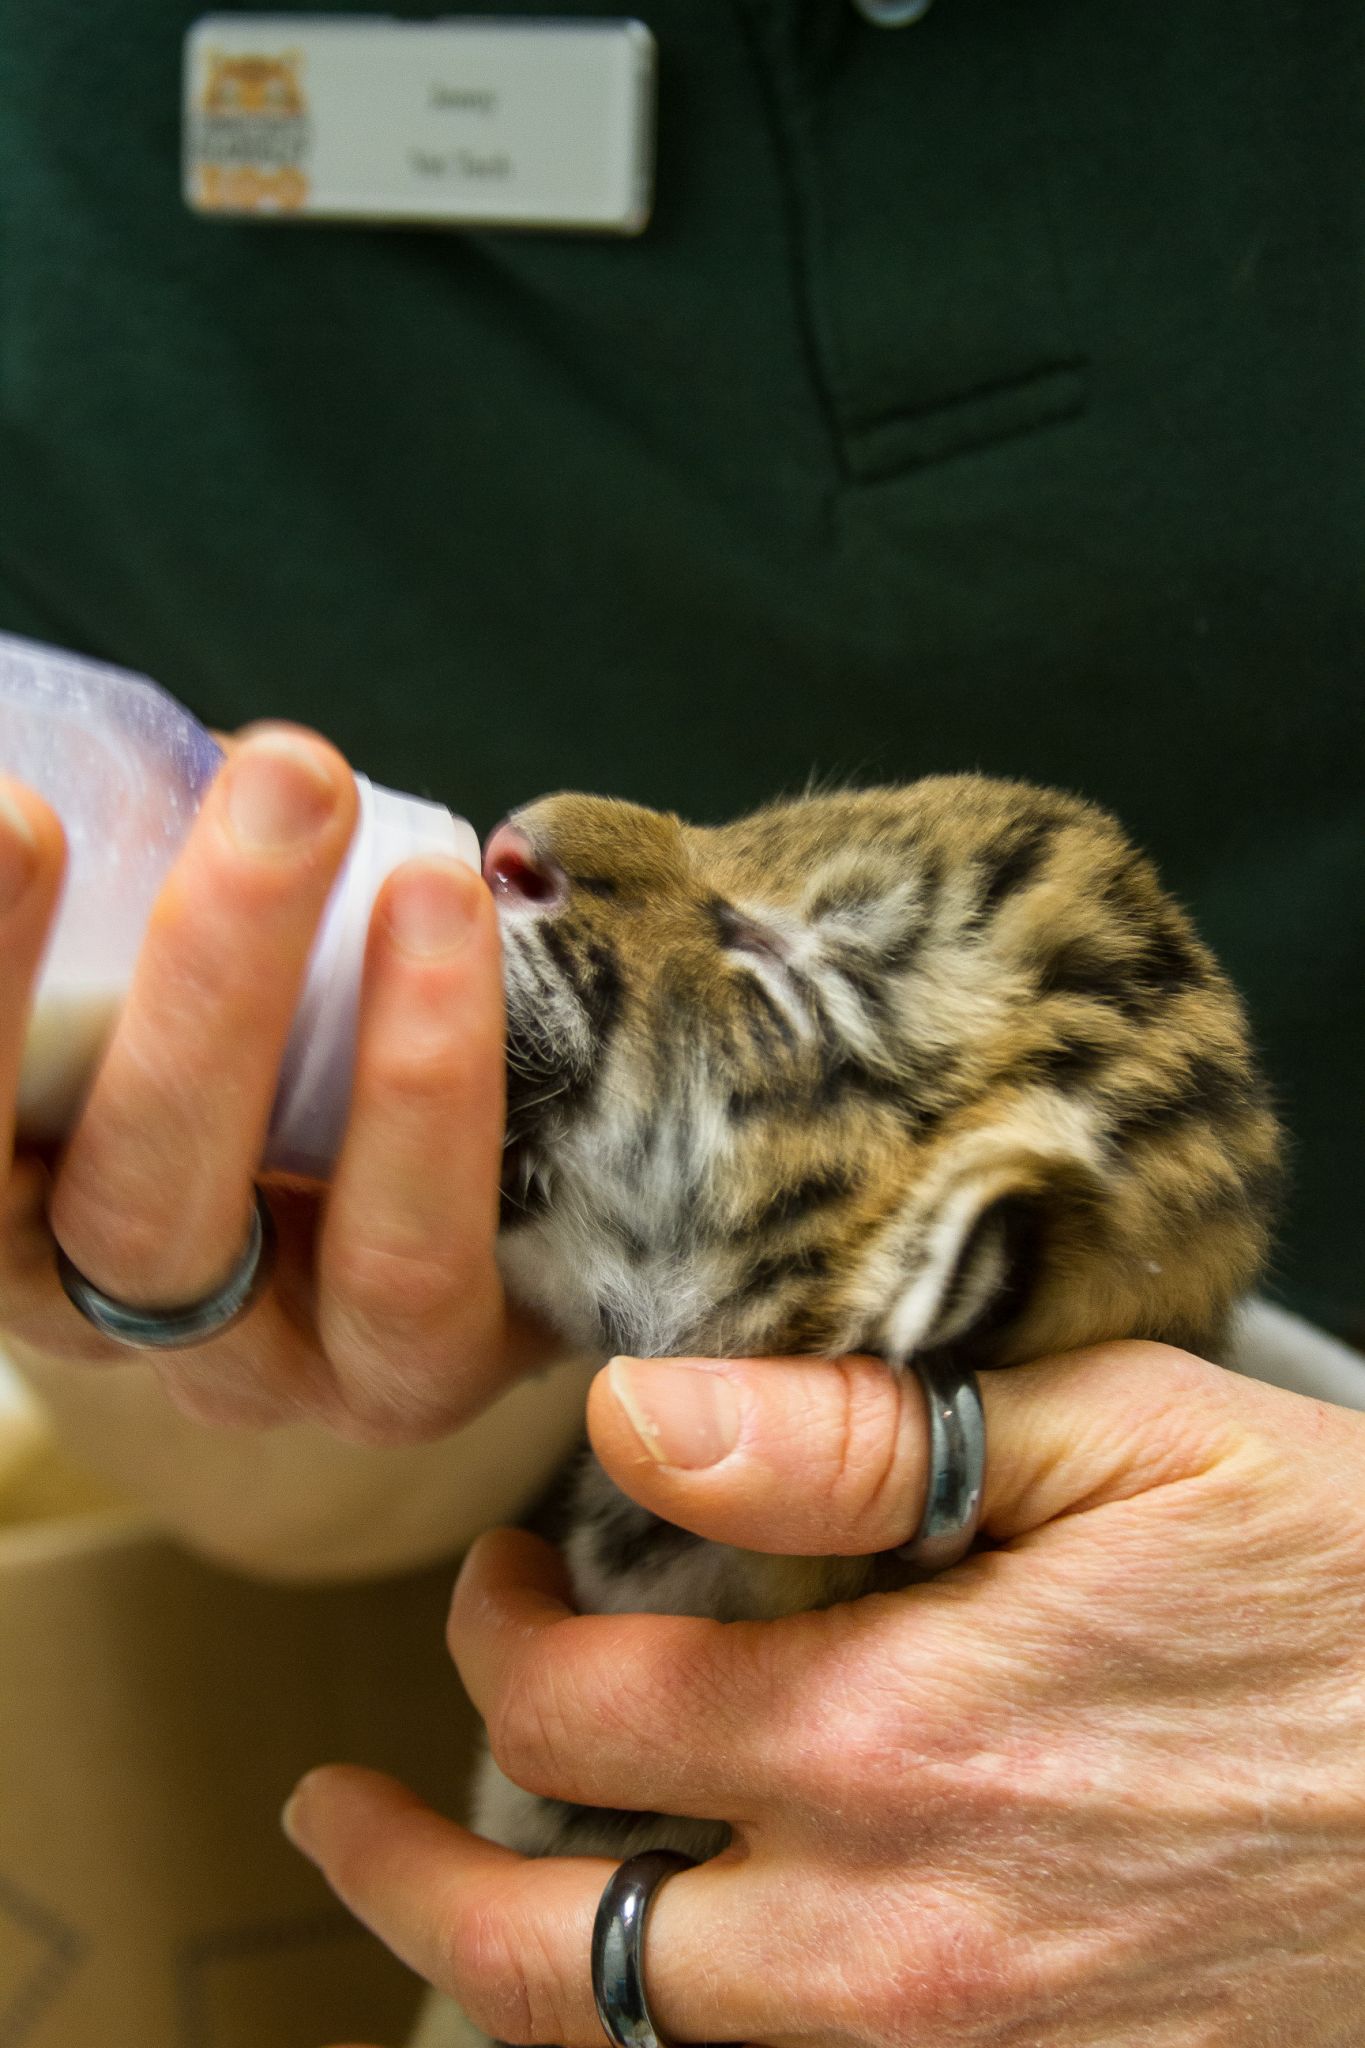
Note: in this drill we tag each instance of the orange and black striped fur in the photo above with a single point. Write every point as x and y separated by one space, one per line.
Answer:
881 1071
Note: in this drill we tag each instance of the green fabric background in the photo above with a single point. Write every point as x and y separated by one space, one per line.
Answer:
985 393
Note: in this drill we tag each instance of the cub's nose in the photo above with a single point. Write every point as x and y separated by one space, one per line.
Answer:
520 875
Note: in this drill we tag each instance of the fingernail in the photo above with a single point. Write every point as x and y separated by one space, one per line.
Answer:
682 1414
278 795
18 853
429 907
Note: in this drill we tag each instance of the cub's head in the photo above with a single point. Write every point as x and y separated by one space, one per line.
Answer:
881 1071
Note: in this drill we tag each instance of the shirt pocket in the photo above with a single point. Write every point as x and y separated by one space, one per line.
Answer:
925 263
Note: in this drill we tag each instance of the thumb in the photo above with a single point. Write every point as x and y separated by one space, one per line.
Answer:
813 1457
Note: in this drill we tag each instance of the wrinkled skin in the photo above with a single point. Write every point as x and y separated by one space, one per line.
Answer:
1101 1785
386 1275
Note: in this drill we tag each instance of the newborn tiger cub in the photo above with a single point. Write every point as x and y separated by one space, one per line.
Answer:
885 1072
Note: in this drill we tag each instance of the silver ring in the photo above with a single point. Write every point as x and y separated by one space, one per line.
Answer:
618 1939
176 1329
957 1464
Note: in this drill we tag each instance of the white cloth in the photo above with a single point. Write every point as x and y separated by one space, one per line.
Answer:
1285 1351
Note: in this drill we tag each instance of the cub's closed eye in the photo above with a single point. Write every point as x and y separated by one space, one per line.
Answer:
741 934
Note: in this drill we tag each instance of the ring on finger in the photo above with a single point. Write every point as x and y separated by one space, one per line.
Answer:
618 1938
957 1464
195 1322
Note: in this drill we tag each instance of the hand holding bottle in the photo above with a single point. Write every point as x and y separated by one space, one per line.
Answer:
386 1319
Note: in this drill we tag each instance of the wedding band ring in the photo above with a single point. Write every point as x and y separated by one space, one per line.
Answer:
618 1936
957 1465
177 1329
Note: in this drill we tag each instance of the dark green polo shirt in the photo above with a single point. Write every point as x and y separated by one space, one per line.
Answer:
985 393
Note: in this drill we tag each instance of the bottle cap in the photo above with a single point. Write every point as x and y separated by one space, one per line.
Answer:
314 1091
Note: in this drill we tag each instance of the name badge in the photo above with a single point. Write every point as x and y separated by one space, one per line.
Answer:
477 123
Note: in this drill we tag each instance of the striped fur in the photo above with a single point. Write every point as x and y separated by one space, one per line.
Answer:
876 1071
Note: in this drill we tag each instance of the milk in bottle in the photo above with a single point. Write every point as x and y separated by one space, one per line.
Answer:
125 768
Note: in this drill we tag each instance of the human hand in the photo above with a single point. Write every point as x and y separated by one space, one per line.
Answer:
386 1319
1103 1783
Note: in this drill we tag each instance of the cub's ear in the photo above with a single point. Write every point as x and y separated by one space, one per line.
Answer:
994 1219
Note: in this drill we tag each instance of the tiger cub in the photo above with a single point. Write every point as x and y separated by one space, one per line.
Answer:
883 1071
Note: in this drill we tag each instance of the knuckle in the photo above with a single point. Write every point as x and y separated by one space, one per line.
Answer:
396 1375
527 1732
1158 1369
848 1778
868 1481
416 1074
1181 1404
882 1755
1194 1380
504 1975
407 1288
957 1979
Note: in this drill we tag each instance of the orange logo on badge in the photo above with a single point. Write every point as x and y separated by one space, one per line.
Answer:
251 134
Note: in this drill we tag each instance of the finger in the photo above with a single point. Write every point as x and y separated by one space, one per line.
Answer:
649 1711
32 856
410 1306
509 1938
813 1457
31 863
153 1196
265 1370
32 859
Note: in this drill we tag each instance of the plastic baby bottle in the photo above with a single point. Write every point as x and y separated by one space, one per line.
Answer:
125 768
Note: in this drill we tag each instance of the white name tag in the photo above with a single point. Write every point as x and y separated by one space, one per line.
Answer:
511 123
